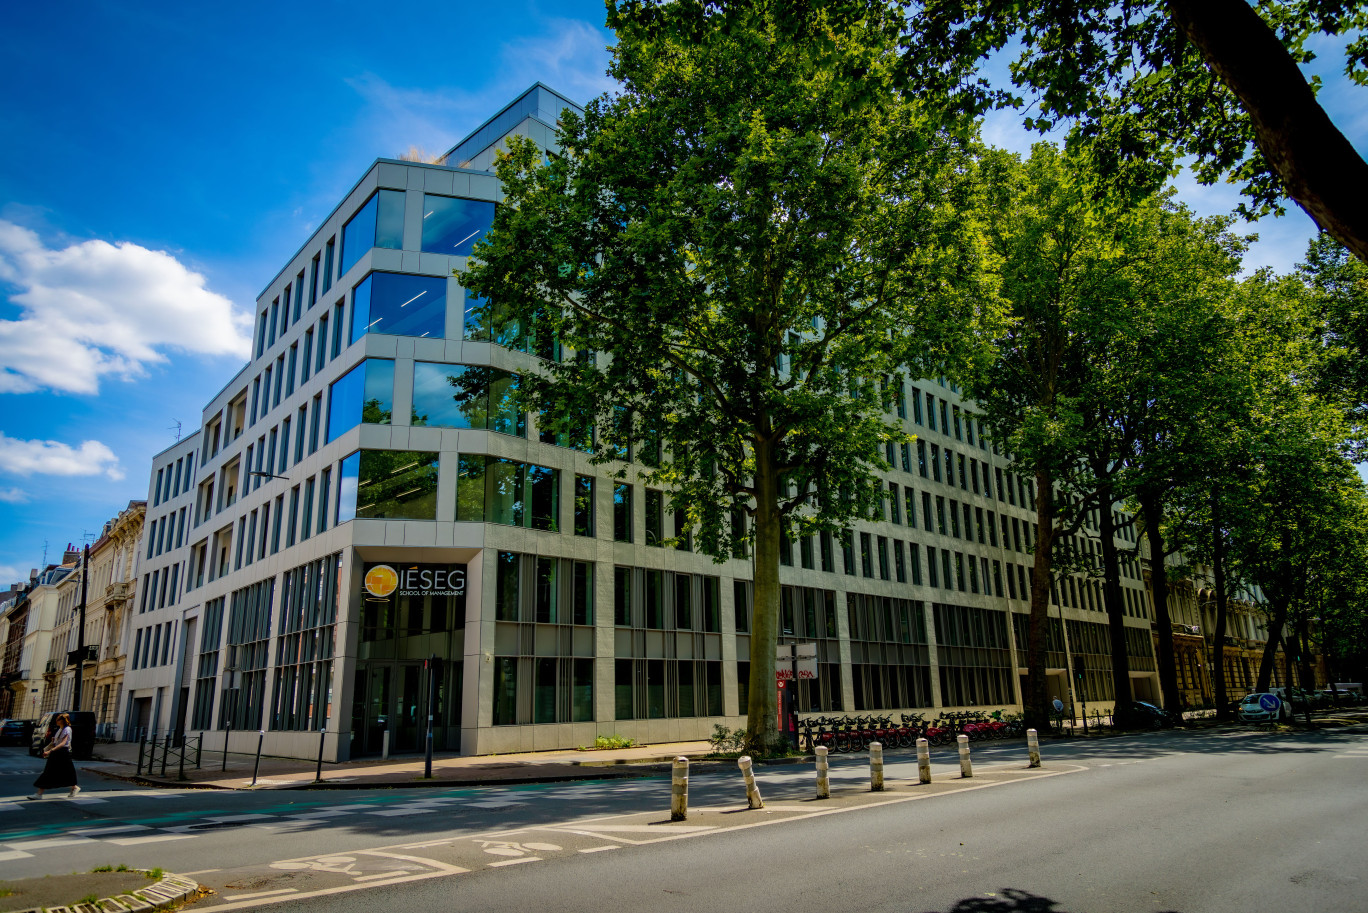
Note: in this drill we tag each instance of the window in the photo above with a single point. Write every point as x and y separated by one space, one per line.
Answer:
655 516
584 505
452 225
399 305
487 321
328 252
304 649
622 512
460 396
365 394
379 223
495 490
389 484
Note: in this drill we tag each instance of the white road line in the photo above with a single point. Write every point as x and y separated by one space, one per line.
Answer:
600 849
14 854
261 894
48 843
97 831
495 865
156 838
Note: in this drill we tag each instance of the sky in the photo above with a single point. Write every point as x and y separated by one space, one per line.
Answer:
162 161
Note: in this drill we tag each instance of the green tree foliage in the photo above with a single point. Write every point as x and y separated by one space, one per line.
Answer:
739 248
1141 83
1339 283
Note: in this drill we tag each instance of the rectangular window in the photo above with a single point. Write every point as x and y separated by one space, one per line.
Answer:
496 490
655 516
306 362
452 225
931 572
313 283
866 555
894 505
622 596
338 323
622 512
916 406
306 523
399 304
294 516
584 506
914 553
378 223
460 396
848 552
935 462
828 554
899 561
926 511
921 459
741 595
883 558
290 367
328 264
364 395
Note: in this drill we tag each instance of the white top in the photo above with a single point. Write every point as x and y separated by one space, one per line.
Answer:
62 739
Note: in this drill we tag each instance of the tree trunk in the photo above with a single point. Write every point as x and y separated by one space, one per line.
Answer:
1037 703
1308 675
1152 507
762 710
1315 162
1218 676
1270 653
1112 596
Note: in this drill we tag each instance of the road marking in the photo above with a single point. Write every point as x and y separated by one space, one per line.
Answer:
495 865
97 831
14 854
262 894
156 838
600 849
48 843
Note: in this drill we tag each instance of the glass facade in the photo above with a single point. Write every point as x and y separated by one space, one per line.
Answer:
400 305
393 485
363 394
494 490
452 225
379 223
462 396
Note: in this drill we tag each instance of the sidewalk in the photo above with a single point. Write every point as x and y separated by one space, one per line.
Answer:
119 760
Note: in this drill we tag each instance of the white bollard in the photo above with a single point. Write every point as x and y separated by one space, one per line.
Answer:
753 799
823 773
384 746
966 768
679 789
924 760
876 767
1033 747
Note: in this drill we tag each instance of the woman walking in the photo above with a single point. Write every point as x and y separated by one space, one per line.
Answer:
59 771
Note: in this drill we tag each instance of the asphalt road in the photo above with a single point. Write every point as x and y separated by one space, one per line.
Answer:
1202 821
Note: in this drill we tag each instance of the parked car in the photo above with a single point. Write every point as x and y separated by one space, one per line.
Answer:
1263 707
82 733
1142 714
16 732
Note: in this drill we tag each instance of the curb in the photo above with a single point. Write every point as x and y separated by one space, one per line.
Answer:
170 890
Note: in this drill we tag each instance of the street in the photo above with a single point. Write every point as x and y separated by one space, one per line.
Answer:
1192 821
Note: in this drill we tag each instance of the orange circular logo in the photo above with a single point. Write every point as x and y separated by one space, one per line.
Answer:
381 580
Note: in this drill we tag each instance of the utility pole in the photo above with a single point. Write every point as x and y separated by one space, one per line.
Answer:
80 629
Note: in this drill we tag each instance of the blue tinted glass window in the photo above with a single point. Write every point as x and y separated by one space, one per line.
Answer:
462 396
400 305
358 235
363 394
389 221
346 488
380 223
452 226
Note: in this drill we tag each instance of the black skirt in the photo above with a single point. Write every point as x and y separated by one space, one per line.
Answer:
58 772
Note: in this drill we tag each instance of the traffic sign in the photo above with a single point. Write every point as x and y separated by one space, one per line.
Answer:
1269 702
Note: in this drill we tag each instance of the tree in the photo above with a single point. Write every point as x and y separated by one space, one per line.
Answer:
1061 247
1141 83
740 249
1339 285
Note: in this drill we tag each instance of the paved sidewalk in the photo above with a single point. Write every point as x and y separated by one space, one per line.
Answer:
119 760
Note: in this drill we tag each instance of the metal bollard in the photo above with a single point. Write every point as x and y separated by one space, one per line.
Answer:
876 783
180 774
384 746
318 777
142 747
261 737
753 799
166 749
1033 747
823 773
966 768
923 760
225 749
199 748
679 789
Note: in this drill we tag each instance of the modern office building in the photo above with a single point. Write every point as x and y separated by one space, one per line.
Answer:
364 533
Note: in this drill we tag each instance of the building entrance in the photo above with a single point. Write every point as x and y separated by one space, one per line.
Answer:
393 696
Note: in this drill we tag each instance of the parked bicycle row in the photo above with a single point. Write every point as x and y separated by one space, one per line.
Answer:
855 733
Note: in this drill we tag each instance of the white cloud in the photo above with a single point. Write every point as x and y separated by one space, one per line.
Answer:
13 496
93 309
12 573
26 458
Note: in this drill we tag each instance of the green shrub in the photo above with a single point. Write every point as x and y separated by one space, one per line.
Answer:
614 741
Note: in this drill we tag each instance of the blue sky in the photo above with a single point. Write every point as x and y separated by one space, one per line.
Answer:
163 160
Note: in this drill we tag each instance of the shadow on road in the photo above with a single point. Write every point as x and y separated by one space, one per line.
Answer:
1009 900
